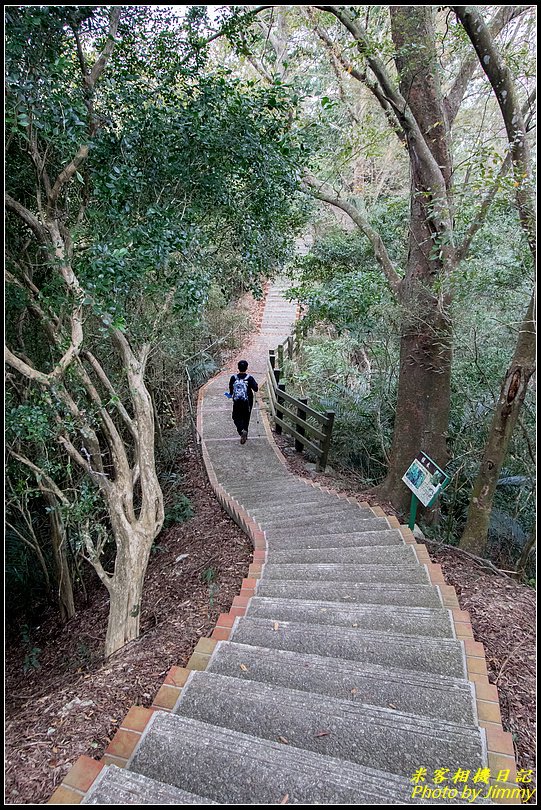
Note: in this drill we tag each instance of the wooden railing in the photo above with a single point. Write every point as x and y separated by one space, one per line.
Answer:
286 409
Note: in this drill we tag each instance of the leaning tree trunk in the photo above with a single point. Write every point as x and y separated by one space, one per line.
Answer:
424 386
59 541
513 391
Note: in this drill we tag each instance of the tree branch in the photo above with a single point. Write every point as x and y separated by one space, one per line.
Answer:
28 218
317 189
101 375
42 474
504 89
453 100
430 173
67 173
361 76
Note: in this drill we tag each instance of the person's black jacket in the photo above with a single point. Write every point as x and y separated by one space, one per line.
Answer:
252 385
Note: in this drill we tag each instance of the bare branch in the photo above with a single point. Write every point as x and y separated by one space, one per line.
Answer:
99 478
491 194
504 89
67 173
94 558
323 192
102 59
42 475
361 76
453 100
101 375
28 218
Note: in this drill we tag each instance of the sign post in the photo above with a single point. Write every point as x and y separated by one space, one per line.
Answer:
413 510
426 480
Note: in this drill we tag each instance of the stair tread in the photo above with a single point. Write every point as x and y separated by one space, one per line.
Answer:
115 785
237 768
440 656
369 735
421 621
425 694
418 594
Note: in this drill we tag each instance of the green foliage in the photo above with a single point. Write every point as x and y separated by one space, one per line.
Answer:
188 188
349 364
178 512
338 283
334 374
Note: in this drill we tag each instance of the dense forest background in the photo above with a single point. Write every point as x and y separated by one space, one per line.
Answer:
160 166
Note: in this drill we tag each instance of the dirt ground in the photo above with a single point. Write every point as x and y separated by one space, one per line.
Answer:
74 703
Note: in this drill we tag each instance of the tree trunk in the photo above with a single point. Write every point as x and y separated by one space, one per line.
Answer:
423 397
526 551
126 591
513 391
424 386
64 588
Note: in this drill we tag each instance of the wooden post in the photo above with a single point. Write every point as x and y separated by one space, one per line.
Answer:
290 347
272 358
277 373
279 414
299 446
280 351
322 461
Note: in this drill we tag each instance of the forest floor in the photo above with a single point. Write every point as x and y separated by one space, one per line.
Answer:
73 704
75 701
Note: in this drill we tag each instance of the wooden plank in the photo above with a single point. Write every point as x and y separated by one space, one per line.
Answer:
298 404
313 431
293 432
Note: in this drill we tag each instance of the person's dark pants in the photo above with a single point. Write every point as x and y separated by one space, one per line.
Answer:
241 416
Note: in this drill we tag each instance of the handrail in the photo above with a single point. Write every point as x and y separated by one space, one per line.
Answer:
278 400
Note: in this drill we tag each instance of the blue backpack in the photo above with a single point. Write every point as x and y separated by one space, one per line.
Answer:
240 390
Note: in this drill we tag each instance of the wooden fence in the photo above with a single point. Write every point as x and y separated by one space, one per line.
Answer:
308 423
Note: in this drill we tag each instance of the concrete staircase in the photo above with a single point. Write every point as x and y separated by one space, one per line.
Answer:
344 675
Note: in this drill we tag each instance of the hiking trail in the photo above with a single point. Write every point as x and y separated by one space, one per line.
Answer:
344 666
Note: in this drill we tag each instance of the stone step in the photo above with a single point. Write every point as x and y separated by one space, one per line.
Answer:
345 526
405 574
315 514
408 621
383 537
340 521
368 735
235 768
365 555
273 492
351 592
120 786
426 695
294 508
438 656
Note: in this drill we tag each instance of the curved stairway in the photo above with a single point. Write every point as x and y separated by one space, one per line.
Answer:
344 675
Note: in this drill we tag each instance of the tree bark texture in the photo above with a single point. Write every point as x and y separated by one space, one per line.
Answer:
513 391
423 396
424 386
59 542
126 590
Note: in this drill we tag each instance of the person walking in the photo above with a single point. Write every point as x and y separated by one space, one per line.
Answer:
241 390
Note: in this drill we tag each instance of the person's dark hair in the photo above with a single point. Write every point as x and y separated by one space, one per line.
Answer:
242 365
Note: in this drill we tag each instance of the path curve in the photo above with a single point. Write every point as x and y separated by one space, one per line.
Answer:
344 665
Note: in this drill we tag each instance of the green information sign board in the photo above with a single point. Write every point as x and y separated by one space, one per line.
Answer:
426 480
